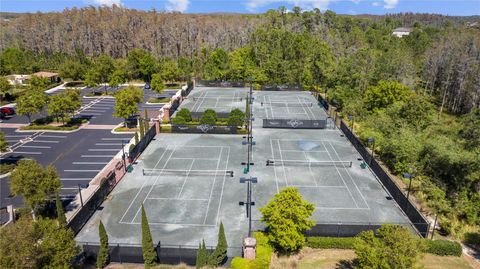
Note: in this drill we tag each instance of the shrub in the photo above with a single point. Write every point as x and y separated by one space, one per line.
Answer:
211 113
240 263
330 242
208 119
443 248
179 120
472 239
185 113
263 256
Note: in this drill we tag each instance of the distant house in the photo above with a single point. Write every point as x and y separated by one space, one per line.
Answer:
17 79
402 31
52 76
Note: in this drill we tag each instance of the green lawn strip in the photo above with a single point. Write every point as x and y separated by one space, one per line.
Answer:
44 124
125 129
155 100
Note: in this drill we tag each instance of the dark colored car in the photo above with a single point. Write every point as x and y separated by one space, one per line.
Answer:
7 111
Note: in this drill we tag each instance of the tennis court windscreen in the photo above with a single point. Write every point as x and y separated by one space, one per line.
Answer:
307 163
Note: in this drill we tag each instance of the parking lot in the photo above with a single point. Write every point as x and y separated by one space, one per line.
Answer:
77 156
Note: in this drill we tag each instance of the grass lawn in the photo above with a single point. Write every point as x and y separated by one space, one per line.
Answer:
125 129
342 259
155 100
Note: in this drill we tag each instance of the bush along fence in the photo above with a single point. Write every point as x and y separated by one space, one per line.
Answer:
418 221
90 206
204 129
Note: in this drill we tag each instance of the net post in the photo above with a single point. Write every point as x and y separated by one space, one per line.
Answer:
143 171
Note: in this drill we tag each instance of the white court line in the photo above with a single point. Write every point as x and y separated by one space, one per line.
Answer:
97 156
213 186
283 166
81 171
141 188
108 144
154 183
348 173
274 169
89 162
45 141
54 136
36 147
169 223
103 149
185 180
294 150
341 208
176 199
300 102
179 158
343 180
223 186
310 169
317 186
76 179
28 152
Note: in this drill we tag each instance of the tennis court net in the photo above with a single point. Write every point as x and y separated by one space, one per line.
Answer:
307 163
153 172
281 104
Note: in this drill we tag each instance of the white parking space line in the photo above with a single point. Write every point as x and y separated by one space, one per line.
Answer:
76 179
89 162
108 144
16 136
12 141
28 152
70 188
54 136
116 138
36 147
81 171
103 149
45 141
97 156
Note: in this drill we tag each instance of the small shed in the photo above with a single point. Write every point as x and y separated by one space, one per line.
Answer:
50 75
401 31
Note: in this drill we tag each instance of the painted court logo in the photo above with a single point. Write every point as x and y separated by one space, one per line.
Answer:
294 123
205 127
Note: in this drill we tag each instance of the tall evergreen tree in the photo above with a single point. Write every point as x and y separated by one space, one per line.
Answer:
220 254
62 220
202 256
102 257
136 138
149 255
146 120
142 128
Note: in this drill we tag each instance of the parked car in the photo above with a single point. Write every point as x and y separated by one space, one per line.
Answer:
7 111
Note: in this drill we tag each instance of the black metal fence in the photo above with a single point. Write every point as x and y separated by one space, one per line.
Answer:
188 89
166 254
282 87
174 106
142 144
91 205
213 83
204 129
294 124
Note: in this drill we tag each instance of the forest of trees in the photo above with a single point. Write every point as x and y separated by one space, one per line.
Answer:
419 95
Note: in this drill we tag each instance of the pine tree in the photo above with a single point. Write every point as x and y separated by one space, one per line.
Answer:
220 254
142 128
136 138
149 255
147 126
102 257
202 256
62 220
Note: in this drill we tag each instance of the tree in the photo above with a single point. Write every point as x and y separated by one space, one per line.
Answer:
4 87
57 106
216 67
147 120
35 183
287 217
157 83
393 247
3 142
103 65
72 69
39 244
38 83
142 128
116 78
202 256
170 71
92 78
61 218
471 130
103 256
147 66
385 94
236 117
209 117
149 255
127 101
220 253
31 103
185 113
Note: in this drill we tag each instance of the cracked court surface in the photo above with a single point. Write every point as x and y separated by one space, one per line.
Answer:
181 179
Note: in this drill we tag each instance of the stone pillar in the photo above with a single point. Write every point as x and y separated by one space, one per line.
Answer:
249 248
157 125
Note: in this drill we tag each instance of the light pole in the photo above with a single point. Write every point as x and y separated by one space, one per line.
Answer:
249 202
123 157
372 140
409 176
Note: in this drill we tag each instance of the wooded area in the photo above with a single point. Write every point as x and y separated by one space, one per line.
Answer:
418 96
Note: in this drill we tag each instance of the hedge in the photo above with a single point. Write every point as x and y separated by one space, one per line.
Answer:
443 247
330 242
262 259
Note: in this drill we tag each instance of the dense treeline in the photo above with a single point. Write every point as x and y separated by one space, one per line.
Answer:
418 96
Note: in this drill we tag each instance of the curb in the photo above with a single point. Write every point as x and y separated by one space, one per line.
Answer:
5 175
52 131
96 97
148 103
115 132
